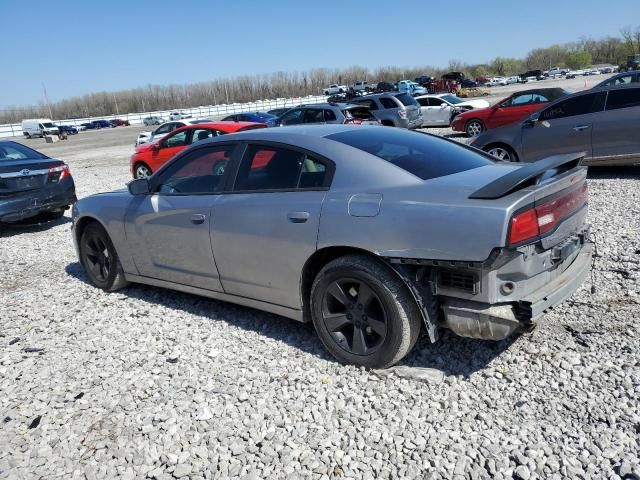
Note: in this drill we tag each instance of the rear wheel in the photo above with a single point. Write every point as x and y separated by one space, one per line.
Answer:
100 260
363 313
502 152
141 170
474 127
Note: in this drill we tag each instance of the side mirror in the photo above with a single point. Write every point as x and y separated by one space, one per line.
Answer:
139 186
532 120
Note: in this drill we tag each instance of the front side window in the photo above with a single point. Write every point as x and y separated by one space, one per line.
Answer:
266 168
621 80
199 172
424 102
292 117
163 129
580 105
177 140
624 98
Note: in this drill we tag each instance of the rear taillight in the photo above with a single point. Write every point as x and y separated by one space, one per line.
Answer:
545 217
402 114
56 174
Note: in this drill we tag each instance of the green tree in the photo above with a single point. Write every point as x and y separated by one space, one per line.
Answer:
575 60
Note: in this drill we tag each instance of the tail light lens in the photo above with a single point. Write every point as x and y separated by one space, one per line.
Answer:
56 174
402 114
545 217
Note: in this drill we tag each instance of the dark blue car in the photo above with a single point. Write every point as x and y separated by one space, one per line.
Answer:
260 117
68 129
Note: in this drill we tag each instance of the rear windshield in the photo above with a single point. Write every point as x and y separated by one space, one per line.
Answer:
358 112
423 155
14 151
406 99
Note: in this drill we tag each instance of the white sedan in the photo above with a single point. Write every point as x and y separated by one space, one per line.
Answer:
439 110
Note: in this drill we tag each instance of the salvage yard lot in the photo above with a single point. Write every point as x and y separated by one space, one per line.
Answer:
153 383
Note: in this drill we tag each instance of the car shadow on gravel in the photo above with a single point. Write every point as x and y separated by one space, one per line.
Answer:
614 173
24 226
452 355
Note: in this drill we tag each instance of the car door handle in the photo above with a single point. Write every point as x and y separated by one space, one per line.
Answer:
197 218
579 128
298 217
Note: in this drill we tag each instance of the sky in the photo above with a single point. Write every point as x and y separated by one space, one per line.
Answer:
90 46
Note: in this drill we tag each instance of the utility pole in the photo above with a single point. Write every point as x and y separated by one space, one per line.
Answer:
46 97
115 100
226 92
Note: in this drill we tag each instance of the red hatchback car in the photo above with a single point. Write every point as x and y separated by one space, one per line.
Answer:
148 157
515 107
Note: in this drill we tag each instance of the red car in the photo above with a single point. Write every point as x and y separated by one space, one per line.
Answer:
151 156
517 106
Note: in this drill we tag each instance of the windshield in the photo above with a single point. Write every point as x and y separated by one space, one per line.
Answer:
406 99
14 151
422 155
452 99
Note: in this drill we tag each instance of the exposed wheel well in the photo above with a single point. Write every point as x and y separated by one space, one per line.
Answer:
387 123
315 263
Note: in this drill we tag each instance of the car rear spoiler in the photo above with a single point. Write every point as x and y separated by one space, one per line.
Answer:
530 174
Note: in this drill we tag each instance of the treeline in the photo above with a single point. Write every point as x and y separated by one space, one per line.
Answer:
582 53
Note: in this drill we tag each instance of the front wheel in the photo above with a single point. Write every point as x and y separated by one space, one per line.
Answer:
363 313
141 170
100 259
474 127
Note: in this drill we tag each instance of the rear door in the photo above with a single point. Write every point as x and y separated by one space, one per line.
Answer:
615 131
564 127
168 230
264 231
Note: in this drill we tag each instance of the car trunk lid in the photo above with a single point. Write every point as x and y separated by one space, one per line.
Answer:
24 175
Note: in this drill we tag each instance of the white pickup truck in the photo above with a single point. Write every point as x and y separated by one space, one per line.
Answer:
335 88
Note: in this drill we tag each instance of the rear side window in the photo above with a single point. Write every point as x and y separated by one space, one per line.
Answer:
406 99
265 168
625 98
388 102
313 115
422 155
329 116
580 105
367 103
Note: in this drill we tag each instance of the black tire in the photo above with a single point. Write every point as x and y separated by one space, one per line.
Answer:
54 214
502 152
139 169
376 331
100 259
474 127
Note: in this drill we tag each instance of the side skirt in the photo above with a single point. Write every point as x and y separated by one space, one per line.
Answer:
225 297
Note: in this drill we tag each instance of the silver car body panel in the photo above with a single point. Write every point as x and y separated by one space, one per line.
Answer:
251 248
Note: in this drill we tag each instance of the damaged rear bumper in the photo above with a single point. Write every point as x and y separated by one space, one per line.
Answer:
32 203
496 322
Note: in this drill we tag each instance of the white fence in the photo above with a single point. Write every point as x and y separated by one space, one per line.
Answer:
208 111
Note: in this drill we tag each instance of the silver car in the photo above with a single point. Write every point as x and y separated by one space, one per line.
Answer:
602 122
392 109
370 233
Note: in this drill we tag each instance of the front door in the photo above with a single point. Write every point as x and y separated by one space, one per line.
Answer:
264 231
564 127
168 229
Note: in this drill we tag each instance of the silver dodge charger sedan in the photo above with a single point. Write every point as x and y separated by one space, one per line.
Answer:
370 233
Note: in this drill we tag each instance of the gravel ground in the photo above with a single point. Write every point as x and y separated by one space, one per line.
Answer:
150 383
